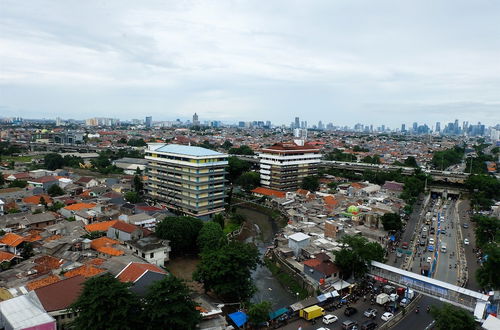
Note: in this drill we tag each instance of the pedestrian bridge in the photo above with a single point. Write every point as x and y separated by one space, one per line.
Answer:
471 300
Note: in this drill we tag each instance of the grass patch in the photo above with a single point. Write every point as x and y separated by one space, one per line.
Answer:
20 159
285 279
230 227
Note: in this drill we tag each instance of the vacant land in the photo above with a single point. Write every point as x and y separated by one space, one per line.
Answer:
183 268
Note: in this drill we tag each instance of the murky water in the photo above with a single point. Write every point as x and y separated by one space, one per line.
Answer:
269 288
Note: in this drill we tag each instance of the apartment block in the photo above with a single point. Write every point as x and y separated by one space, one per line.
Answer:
283 166
191 180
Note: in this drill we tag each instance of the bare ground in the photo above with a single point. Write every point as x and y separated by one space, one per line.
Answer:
184 267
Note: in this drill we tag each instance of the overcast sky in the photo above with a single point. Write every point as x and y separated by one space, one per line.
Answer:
374 62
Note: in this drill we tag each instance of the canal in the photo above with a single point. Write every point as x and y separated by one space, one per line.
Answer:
262 229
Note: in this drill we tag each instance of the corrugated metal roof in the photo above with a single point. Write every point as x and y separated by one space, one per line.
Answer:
25 312
188 150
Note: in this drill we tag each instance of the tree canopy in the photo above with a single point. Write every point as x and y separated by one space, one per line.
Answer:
228 268
237 167
487 274
106 303
249 180
132 197
53 161
138 184
242 150
310 183
445 158
357 252
168 305
211 237
392 221
259 313
181 231
449 317
55 190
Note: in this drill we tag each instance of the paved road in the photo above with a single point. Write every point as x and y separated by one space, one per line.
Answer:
472 264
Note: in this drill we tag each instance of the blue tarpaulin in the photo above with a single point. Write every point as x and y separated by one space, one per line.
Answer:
278 313
239 318
393 238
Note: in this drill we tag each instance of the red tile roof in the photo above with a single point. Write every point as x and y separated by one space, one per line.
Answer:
7 256
11 239
125 227
85 270
79 206
100 226
36 199
135 270
40 283
60 295
44 179
105 245
269 192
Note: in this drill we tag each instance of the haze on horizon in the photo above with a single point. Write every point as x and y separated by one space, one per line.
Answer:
379 62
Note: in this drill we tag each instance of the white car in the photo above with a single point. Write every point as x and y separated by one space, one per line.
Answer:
466 241
329 318
323 328
387 316
431 241
429 259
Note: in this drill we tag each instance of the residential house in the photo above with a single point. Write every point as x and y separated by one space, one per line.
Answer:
142 220
87 182
12 243
105 247
123 231
151 248
44 182
70 210
298 241
101 226
56 298
142 275
25 312
2 203
41 220
321 268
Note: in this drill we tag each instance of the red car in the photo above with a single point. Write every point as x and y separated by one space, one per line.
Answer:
405 245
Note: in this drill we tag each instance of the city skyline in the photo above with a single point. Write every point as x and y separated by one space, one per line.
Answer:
386 63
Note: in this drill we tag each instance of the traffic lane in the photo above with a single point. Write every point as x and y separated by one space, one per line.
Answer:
470 255
361 306
414 321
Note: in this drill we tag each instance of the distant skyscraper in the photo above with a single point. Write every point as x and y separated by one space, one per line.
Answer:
58 121
149 121
403 127
196 122
415 127
297 122
438 127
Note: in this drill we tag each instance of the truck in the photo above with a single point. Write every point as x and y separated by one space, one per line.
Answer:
312 312
383 298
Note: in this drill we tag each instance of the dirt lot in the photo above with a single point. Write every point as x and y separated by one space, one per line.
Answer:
183 268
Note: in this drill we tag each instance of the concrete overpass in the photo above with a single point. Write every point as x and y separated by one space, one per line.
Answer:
471 300
61 147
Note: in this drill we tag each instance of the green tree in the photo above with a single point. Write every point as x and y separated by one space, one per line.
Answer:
168 305
359 149
53 161
211 237
487 274
132 197
487 230
137 143
356 254
227 268
2 180
182 232
259 313
242 150
138 185
219 218
27 250
227 145
249 180
392 221
18 184
310 183
56 206
410 162
371 160
236 167
445 158
43 202
106 303
55 190
449 317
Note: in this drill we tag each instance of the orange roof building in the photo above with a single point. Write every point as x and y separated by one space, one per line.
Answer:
85 270
40 283
36 199
7 256
105 245
79 206
134 270
100 226
268 192
11 239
